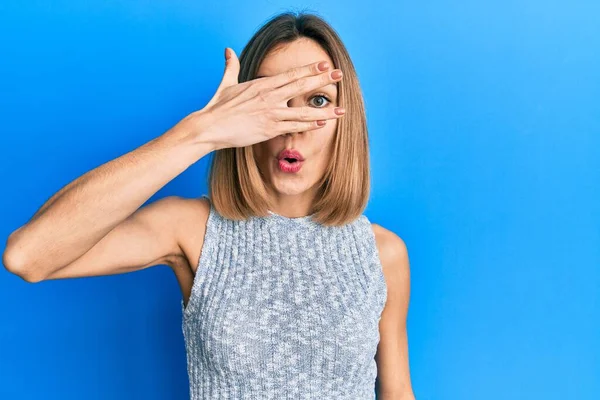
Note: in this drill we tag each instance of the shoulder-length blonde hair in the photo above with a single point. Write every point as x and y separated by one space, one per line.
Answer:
236 187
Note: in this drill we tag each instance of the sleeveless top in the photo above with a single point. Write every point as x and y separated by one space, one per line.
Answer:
284 308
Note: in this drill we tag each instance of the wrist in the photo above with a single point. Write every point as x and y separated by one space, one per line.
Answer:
201 122
191 132
182 146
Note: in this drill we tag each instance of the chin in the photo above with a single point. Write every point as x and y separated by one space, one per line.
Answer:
290 187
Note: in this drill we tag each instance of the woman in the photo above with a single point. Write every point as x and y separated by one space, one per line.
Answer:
288 290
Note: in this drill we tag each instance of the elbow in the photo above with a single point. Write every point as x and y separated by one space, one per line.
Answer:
15 263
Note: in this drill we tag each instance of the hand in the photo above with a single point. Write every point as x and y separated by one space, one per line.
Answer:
242 114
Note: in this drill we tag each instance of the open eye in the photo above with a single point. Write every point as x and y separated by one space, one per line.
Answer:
321 103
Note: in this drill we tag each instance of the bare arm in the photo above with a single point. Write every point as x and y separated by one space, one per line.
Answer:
393 375
156 234
72 221
94 225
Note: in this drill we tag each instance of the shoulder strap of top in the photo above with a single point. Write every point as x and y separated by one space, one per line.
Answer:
207 257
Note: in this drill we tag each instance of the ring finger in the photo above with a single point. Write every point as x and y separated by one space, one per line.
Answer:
306 113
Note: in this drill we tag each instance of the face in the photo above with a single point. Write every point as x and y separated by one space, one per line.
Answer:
315 146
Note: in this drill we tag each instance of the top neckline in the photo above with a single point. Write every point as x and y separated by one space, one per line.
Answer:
304 219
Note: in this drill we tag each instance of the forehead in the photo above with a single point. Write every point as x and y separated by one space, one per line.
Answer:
291 55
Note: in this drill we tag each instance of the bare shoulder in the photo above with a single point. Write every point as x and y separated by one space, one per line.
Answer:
393 375
393 254
392 249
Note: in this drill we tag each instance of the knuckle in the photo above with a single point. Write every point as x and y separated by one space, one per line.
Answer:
268 126
300 84
270 115
291 74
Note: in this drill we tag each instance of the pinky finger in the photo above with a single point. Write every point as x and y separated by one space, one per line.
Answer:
299 126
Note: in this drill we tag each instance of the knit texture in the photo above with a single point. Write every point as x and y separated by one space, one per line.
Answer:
284 308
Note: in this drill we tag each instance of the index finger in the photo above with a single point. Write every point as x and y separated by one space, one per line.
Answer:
294 74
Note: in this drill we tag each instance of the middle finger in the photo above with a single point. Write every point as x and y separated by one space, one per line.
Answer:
306 84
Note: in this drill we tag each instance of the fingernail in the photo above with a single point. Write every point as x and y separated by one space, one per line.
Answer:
227 55
320 123
323 65
336 74
339 110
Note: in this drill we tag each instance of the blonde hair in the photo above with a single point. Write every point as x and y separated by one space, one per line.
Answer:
236 187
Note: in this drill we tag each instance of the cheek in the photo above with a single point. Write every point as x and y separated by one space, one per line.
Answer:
259 154
326 134
323 146
263 150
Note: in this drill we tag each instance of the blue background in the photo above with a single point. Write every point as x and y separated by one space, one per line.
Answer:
484 123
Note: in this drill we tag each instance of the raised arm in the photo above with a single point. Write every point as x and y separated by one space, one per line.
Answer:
99 213
101 210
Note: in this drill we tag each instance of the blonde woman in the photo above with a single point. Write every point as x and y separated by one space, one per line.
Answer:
288 290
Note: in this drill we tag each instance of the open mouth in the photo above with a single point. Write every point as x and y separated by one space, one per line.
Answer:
290 160
290 164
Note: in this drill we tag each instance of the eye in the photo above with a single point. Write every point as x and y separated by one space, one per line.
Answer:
320 103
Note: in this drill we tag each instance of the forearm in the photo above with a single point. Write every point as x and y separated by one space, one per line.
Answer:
85 210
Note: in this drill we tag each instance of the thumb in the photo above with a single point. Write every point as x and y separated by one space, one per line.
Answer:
232 69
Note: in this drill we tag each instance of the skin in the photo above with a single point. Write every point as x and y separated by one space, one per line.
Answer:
293 193
393 375
170 231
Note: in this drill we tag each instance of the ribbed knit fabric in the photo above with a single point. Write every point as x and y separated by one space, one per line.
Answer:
284 308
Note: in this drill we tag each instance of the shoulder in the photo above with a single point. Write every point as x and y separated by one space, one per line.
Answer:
391 246
195 207
392 351
393 254
185 212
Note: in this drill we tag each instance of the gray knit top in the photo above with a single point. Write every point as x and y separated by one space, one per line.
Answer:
284 308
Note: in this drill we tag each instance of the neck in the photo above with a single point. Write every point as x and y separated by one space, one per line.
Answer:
292 206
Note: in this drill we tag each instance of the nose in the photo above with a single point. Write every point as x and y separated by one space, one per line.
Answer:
295 102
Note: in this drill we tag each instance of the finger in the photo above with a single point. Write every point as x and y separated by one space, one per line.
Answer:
306 84
297 126
232 69
294 74
306 113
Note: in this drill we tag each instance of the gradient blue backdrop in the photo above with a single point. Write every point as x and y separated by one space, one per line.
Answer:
485 141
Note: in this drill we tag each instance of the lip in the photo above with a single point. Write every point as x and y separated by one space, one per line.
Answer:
290 153
286 166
